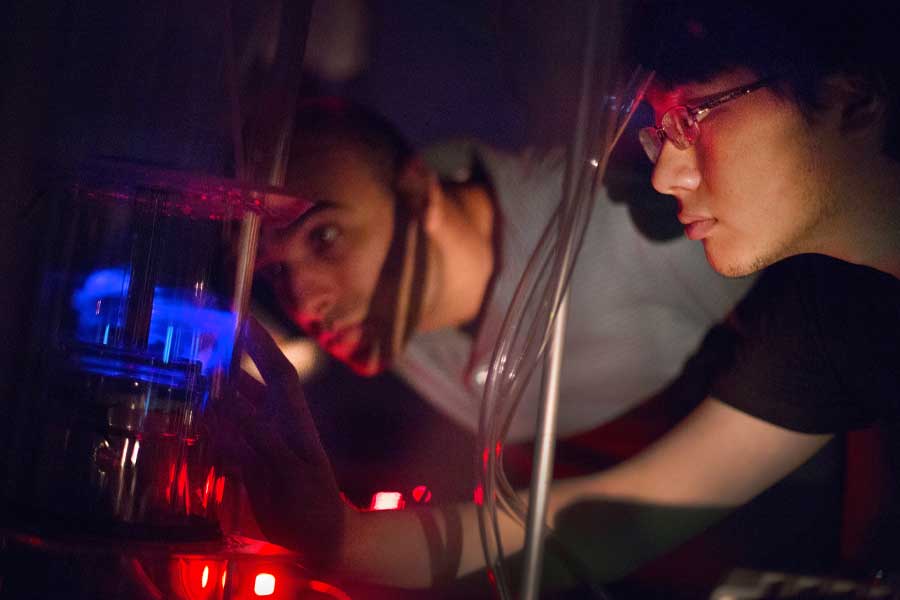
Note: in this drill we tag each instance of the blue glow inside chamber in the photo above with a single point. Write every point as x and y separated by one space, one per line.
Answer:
185 324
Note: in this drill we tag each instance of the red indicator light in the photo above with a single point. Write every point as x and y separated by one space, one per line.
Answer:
421 494
387 501
479 495
264 585
195 578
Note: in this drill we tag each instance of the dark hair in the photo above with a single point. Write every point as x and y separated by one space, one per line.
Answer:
798 42
320 122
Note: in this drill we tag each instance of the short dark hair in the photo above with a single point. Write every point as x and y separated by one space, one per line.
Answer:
797 42
319 122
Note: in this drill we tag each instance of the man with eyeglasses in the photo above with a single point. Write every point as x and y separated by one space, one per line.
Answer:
387 232
777 133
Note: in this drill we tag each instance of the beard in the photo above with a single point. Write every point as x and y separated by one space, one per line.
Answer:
809 235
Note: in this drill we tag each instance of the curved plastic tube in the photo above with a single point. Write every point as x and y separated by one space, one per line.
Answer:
525 334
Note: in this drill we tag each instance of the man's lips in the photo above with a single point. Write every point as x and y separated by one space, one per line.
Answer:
340 336
697 228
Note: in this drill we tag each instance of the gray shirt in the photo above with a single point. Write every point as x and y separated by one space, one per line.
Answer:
637 308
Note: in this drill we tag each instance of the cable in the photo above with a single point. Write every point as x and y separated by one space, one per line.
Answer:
525 333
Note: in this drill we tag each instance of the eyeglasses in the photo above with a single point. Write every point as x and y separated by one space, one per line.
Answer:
681 124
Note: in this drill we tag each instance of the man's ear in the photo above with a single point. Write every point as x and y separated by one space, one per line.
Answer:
419 190
861 100
411 185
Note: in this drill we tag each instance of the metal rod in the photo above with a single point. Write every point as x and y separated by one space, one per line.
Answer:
542 473
246 257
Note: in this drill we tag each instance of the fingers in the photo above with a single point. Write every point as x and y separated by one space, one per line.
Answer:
251 389
228 441
283 397
268 442
267 427
274 367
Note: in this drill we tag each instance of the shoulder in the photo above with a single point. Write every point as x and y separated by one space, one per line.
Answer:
801 340
461 159
810 293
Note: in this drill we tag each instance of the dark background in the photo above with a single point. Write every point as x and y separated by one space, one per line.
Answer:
500 71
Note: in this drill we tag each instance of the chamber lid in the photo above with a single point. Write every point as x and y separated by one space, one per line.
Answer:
210 196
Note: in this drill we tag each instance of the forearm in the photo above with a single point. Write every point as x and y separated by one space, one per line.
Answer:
602 538
717 459
417 548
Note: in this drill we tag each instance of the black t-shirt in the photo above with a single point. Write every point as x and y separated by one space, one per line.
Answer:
813 347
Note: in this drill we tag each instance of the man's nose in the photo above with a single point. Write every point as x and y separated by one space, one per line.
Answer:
312 294
676 171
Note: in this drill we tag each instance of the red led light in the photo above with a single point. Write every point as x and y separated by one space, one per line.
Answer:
387 501
421 494
264 584
194 578
479 495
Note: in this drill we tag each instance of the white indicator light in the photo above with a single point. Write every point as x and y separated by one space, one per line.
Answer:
264 584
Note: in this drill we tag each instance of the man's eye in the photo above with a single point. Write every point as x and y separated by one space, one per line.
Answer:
324 237
270 272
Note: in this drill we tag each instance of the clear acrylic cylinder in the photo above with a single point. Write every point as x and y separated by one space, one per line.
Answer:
143 289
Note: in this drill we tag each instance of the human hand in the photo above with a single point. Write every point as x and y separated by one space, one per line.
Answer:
268 431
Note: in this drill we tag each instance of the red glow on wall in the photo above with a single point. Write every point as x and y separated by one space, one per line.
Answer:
421 494
387 501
